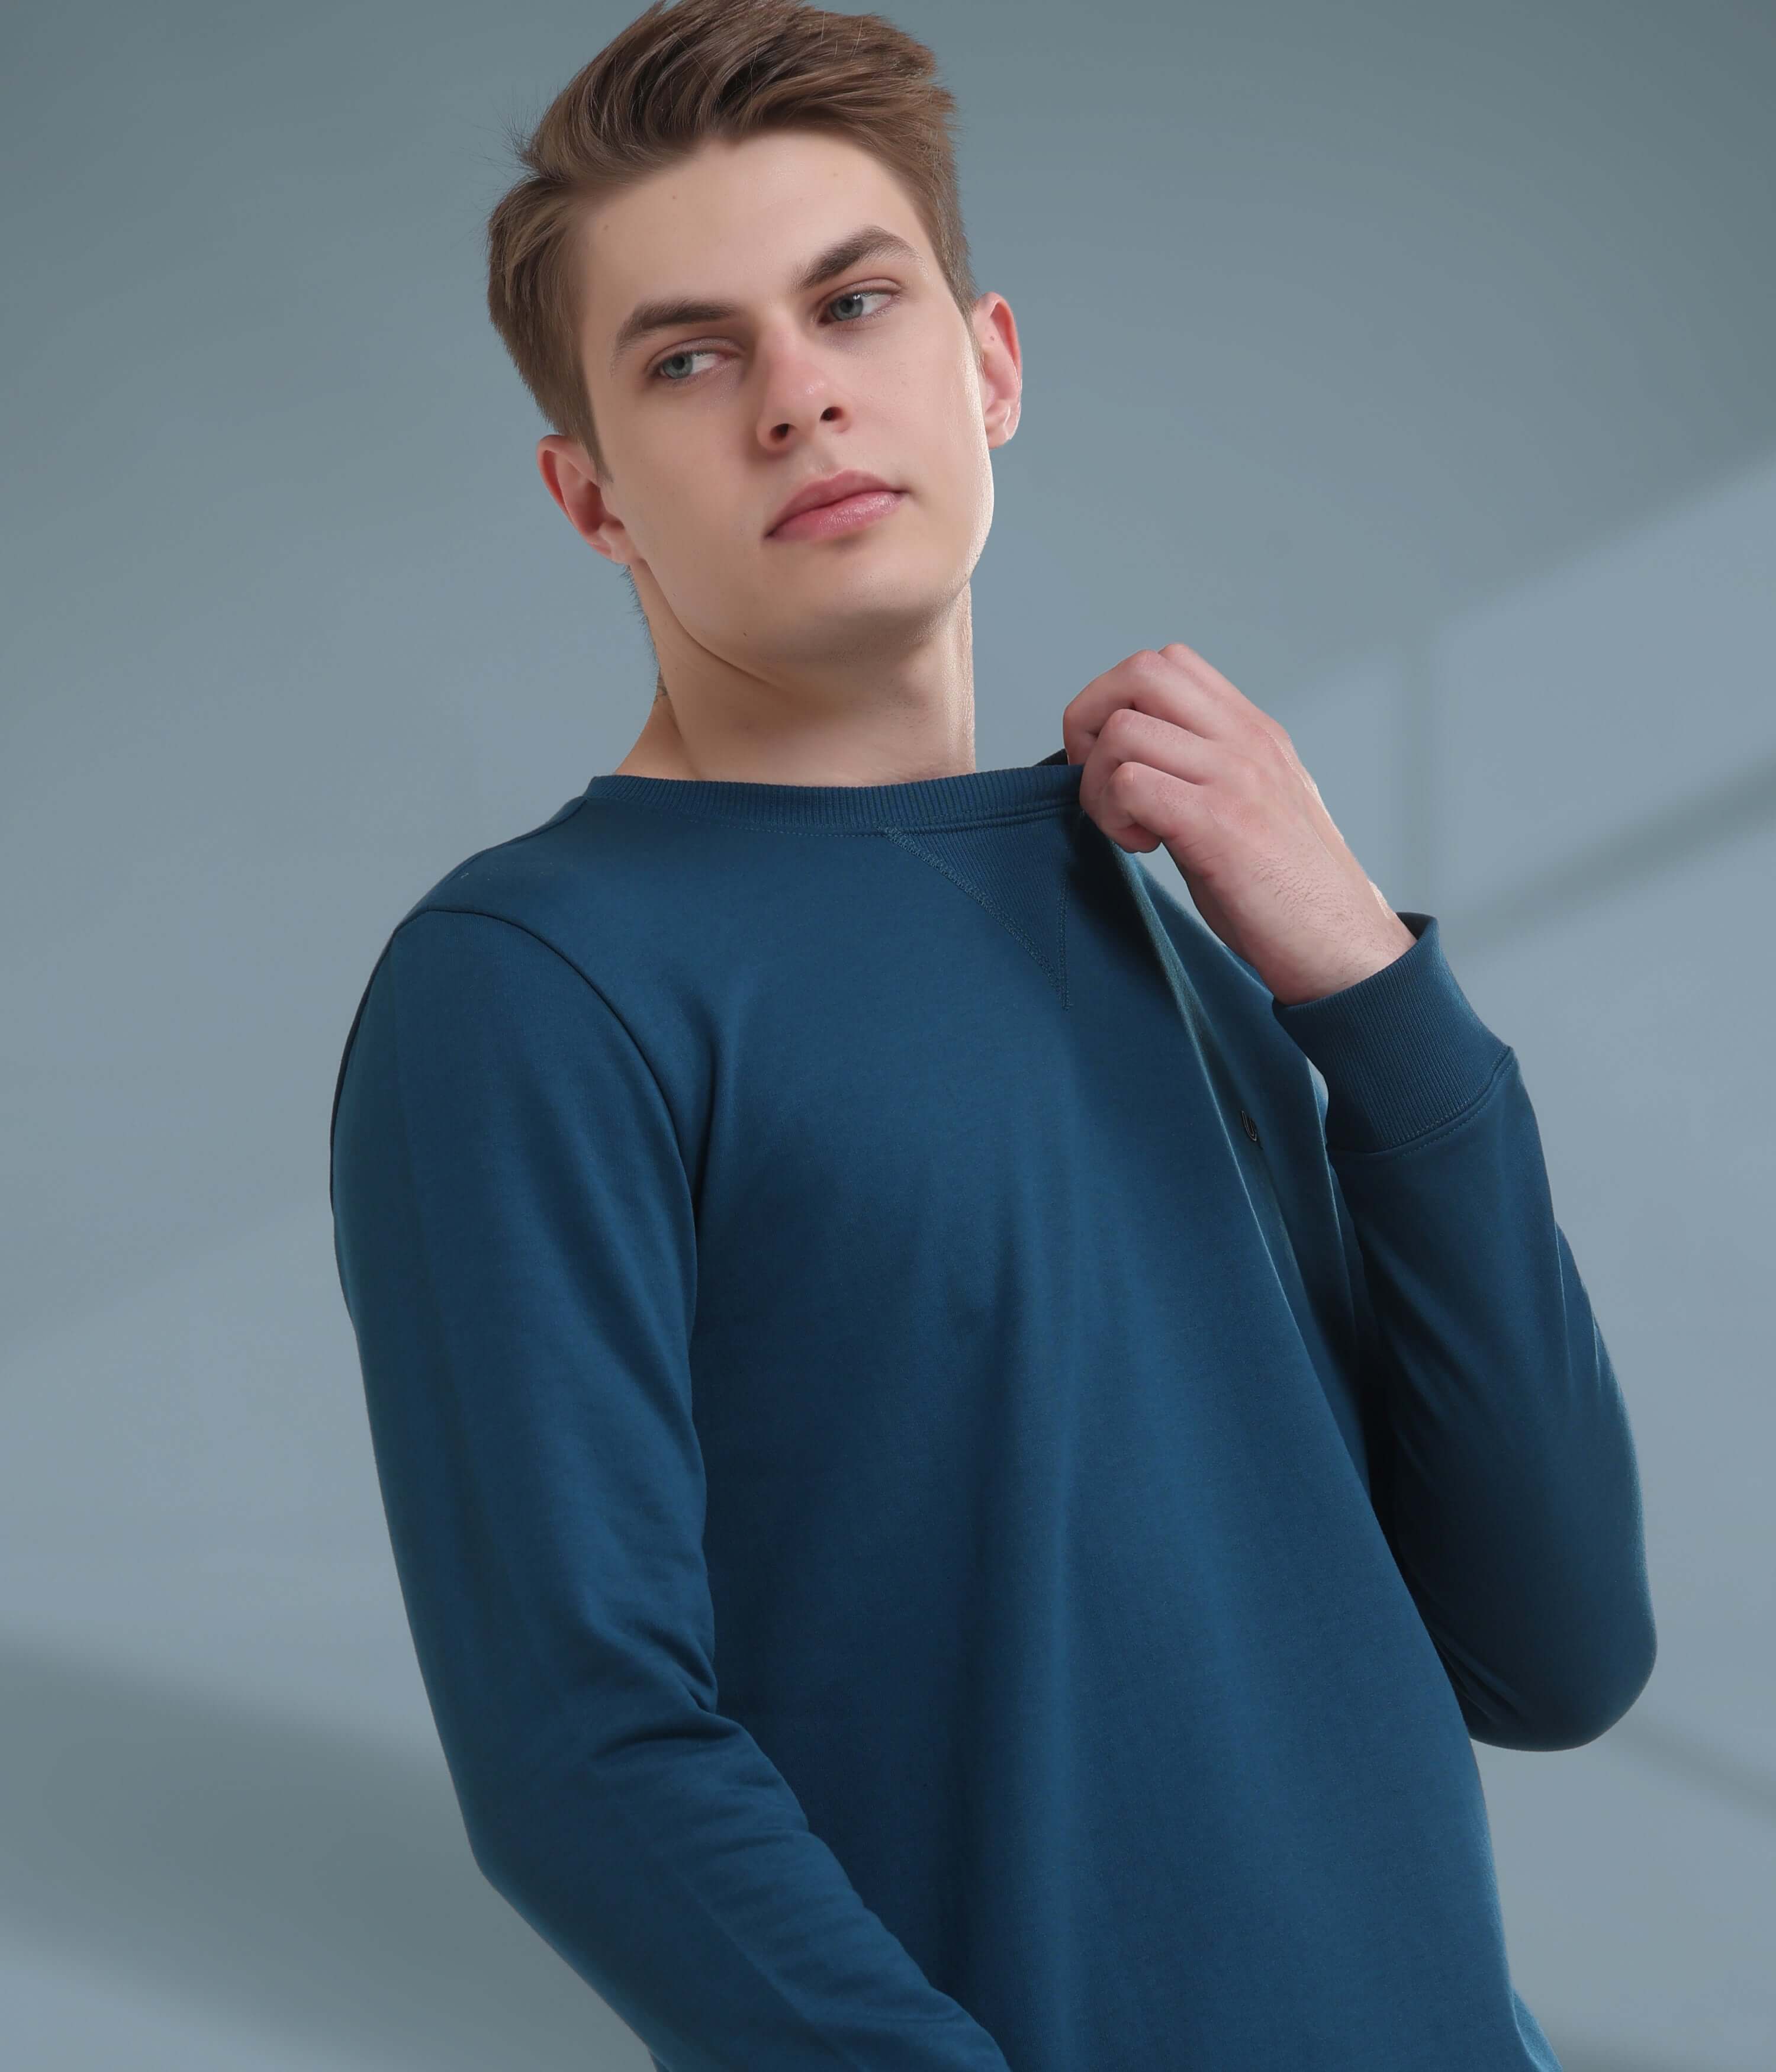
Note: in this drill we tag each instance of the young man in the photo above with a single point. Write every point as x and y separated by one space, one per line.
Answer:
966 1449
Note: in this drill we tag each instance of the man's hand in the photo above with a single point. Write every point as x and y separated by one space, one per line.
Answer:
1173 753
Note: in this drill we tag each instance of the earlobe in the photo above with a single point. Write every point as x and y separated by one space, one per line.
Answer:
1002 412
566 471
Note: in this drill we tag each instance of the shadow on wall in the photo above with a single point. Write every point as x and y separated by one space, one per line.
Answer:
317 1884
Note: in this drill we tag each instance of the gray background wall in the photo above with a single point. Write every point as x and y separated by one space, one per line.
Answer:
1416 362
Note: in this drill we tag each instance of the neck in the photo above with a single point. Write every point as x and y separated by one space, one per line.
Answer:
876 718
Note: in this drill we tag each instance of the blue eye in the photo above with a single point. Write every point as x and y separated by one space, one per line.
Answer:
703 353
689 353
857 295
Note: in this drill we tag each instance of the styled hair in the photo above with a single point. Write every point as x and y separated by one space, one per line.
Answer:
676 77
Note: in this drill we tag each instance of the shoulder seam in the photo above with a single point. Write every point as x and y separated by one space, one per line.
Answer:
424 905
592 986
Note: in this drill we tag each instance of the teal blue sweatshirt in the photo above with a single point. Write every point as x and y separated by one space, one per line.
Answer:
964 1479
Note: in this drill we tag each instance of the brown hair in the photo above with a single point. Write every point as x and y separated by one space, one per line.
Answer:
677 76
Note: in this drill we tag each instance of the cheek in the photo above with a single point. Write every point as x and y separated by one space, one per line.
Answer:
951 441
680 534
945 393
952 389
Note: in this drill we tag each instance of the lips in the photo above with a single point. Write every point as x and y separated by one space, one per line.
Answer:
828 489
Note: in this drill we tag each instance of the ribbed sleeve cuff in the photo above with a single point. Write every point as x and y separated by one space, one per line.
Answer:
1400 1051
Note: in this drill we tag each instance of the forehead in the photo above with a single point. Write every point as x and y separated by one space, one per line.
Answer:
735 221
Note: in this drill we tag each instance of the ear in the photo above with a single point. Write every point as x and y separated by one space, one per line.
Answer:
1002 368
571 479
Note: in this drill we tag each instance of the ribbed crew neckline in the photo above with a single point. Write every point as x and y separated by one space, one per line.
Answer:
971 798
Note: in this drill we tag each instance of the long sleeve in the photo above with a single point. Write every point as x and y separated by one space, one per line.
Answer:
516 1238
1508 1488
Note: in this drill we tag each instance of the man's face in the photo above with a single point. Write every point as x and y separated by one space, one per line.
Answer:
765 379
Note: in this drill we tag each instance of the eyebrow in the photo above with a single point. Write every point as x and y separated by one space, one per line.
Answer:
872 241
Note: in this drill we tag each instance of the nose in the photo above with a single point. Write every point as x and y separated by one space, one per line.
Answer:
799 389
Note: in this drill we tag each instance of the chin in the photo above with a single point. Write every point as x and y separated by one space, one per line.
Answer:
894 584
887 609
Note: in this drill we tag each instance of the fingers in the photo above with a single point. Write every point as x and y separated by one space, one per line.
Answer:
1172 684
